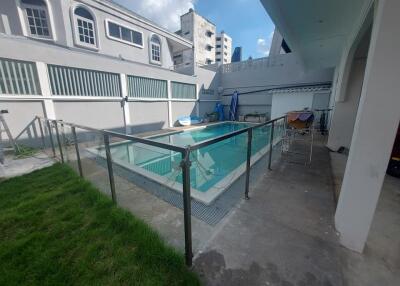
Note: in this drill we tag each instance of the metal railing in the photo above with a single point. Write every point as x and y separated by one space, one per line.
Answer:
184 165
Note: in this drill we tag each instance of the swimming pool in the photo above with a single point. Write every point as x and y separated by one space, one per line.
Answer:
214 168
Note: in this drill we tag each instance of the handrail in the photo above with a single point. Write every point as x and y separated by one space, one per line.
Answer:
123 136
147 141
70 124
185 163
167 146
207 142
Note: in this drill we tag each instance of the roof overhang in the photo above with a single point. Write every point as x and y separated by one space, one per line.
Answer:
177 46
317 30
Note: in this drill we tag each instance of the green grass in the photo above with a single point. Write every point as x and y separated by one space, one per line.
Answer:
57 229
24 152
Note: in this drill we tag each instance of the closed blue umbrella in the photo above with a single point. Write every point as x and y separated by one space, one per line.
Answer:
234 106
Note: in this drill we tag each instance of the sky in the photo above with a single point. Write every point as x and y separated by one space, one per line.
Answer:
246 21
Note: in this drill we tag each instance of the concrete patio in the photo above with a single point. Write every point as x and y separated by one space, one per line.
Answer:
284 235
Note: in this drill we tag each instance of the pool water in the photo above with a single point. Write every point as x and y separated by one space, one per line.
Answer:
212 166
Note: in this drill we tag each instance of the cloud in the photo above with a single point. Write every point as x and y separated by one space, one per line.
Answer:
166 13
264 45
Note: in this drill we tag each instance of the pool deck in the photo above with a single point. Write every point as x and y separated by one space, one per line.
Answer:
283 235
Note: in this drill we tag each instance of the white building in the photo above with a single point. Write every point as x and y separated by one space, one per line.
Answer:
201 32
223 48
91 62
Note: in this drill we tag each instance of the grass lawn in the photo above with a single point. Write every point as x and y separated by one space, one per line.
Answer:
56 228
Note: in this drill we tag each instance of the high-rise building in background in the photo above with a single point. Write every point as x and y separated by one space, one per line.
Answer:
201 32
223 48
208 48
237 55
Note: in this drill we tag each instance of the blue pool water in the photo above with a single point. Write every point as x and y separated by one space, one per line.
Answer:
210 164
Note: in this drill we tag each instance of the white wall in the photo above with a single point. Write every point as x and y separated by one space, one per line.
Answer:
182 108
284 102
101 115
20 114
348 93
62 26
253 102
16 48
278 71
146 116
344 113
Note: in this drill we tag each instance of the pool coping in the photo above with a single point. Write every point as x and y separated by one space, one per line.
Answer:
207 197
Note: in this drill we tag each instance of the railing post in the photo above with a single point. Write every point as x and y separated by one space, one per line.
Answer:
110 167
59 141
271 144
185 165
51 138
78 156
249 140
41 132
64 140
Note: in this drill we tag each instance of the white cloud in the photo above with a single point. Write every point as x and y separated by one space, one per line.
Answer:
264 45
166 13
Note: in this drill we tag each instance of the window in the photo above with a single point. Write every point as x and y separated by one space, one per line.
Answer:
37 18
218 46
209 47
85 32
218 53
208 61
218 60
155 49
124 34
225 47
209 33
218 38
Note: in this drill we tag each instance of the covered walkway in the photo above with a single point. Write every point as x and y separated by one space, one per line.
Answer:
285 235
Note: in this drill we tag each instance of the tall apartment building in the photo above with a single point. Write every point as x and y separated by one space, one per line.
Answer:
201 32
208 48
223 48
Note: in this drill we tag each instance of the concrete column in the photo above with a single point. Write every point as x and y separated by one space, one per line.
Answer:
169 91
374 130
125 104
347 87
44 82
341 129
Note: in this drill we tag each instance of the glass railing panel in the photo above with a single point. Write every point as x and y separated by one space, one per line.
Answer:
146 184
94 166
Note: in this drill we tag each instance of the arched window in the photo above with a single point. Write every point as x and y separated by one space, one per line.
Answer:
85 27
37 18
155 49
